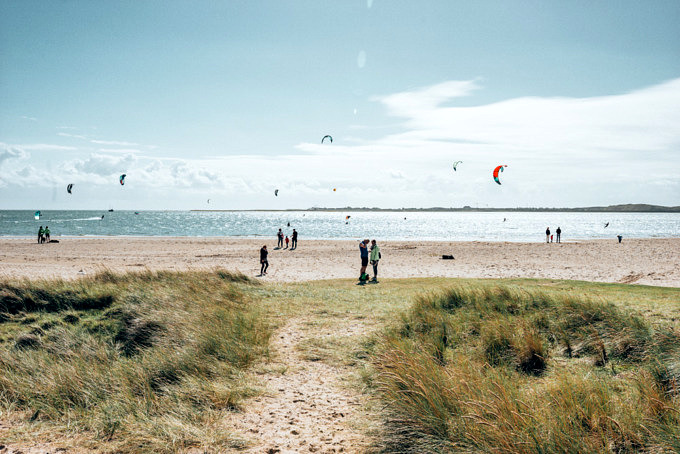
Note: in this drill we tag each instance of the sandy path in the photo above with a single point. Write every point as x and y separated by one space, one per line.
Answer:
306 406
640 261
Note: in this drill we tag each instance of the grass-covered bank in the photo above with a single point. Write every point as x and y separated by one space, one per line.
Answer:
485 368
145 361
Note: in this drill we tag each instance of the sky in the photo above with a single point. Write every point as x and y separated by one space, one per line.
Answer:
215 104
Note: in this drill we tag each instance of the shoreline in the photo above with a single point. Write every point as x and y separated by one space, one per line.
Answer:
640 261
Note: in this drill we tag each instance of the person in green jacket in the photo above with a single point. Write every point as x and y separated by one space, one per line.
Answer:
47 234
41 232
375 258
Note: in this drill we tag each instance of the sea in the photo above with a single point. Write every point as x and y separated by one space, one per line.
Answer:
408 226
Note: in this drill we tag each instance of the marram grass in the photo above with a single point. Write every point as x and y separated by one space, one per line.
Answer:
502 370
142 362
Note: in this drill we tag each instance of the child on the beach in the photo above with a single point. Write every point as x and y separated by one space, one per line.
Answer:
287 240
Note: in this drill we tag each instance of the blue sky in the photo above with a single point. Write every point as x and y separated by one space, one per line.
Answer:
229 100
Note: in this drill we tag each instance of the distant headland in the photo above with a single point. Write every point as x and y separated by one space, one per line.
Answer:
626 208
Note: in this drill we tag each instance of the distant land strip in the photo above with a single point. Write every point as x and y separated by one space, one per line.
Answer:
627 208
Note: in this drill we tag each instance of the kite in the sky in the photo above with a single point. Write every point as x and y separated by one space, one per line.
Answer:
606 225
327 137
455 164
69 187
276 192
37 215
208 201
122 179
495 173
335 189
347 217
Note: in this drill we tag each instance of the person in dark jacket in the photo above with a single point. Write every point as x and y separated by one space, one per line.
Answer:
293 242
41 232
263 260
279 235
559 232
547 234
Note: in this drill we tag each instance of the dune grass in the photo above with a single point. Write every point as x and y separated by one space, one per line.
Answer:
139 362
486 368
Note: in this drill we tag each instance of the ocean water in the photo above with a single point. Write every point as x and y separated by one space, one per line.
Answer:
415 226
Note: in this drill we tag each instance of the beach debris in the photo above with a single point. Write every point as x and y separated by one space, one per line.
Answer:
495 173
37 215
448 257
122 179
276 192
327 137
69 187
455 164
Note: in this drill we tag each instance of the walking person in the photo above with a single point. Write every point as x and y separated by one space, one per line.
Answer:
559 232
47 235
263 260
375 258
547 234
279 235
41 232
363 252
293 243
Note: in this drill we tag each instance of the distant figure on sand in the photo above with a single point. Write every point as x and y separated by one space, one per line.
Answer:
363 251
263 260
375 258
47 234
559 232
619 237
547 234
41 232
287 240
280 239
293 243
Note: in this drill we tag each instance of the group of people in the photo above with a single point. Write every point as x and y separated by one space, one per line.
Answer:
43 235
374 256
293 239
549 237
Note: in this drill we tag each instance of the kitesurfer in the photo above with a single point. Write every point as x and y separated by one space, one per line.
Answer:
559 232
363 252
375 258
279 235
293 242
263 260
547 234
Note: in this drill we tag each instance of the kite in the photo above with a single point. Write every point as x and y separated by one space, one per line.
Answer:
347 217
208 201
495 173
334 189
69 187
276 192
327 136
37 215
455 164
122 179
606 225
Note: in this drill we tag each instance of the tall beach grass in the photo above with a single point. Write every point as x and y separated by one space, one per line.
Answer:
503 370
139 362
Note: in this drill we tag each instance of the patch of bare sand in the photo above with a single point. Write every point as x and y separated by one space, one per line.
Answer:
307 405
654 261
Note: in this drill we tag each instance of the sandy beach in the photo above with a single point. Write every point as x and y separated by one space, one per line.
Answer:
639 261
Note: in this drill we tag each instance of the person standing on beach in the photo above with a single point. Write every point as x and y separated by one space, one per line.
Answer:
279 235
375 258
41 232
293 243
547 234
559 232
619 237
47 235
263 260
363 251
